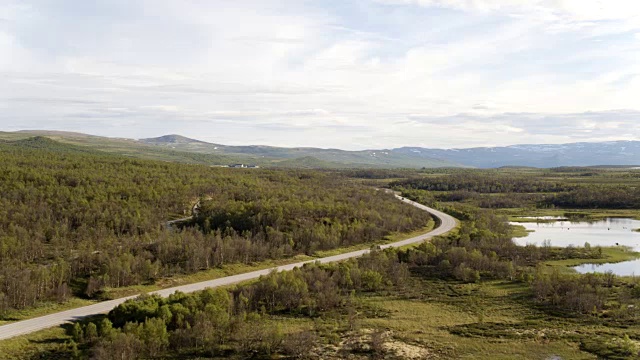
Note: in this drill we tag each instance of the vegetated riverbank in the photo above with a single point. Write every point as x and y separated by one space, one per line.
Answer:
519 214
607 254
599 234
614 254
520 231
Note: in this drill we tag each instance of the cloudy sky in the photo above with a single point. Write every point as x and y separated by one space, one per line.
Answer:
330 73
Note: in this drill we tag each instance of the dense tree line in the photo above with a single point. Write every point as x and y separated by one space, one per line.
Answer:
598 197
308 219
504 189
379 173
75 221
484 183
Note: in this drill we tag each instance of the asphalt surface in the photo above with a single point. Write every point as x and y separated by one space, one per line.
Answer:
446 224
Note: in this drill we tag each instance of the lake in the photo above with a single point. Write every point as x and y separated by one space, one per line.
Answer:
608 232
625 268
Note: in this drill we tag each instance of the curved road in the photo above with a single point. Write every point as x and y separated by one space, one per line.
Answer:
447 223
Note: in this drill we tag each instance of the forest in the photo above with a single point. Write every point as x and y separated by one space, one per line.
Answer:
573 188
73 221
247 320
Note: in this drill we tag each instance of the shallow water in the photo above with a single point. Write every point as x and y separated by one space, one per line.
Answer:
625 268
543 218
609 232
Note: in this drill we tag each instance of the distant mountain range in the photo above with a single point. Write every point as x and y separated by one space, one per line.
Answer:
303 156
542 156
183 149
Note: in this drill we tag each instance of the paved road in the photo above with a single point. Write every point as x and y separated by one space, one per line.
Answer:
194 212
447 223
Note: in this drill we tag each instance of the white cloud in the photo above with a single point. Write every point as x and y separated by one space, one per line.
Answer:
358 75
577 10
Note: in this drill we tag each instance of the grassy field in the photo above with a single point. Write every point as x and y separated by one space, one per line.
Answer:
488 320
43 309
441 316
36 345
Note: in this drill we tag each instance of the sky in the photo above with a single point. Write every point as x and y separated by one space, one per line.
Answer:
353 74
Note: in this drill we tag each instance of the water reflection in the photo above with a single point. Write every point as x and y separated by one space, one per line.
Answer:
608 232
625 268
543 218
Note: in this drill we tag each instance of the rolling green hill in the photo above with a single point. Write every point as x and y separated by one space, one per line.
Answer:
44 143
126 147
178 148
321 157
